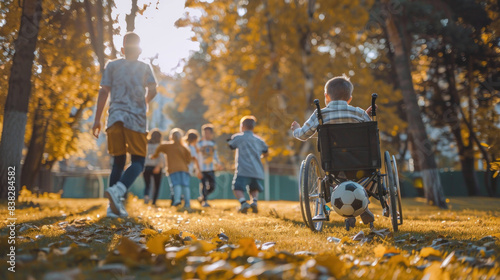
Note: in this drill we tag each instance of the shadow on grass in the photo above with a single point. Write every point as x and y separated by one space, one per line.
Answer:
51 219
330 224
36 258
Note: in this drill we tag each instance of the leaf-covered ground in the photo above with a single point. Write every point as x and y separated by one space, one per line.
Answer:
72 239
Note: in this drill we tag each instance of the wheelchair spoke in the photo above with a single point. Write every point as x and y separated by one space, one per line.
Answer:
314 196
311 201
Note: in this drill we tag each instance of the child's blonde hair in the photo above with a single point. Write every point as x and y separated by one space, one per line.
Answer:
339 88
176 135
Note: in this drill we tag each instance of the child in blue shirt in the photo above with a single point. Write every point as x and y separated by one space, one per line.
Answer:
249 171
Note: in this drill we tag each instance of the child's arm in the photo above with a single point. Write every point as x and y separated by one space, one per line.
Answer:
307 130
101 102
369 113
150 82
151 93
233 142
216 156
158 150
265 150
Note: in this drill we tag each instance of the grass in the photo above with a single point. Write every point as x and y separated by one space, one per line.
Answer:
72 239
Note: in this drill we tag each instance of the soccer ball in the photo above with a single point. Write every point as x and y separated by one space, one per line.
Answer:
349 199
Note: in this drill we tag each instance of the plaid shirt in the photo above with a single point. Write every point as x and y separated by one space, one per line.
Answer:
337 111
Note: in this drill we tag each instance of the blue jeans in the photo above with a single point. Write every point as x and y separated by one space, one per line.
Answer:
128 176
180 182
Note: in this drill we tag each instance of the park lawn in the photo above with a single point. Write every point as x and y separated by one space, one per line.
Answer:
72 239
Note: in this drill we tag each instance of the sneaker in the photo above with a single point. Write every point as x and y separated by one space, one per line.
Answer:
115 194
146 199
367 217
109 213
175 204
244 208
254 208
205 204
351 221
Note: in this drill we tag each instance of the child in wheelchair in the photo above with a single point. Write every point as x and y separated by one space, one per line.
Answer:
338 95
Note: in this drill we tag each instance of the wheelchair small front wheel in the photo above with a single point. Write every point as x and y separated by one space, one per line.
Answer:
396 178
392 188
312 204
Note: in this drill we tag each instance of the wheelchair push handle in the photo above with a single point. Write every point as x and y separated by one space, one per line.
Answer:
318 111
374 107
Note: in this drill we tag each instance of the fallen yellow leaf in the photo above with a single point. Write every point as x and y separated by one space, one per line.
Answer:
379 251
435 272
156 244
336 267
187 234
182 253
429 251
148 231
399 259
129 249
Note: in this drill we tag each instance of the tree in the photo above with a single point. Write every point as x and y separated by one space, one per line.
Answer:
16 105
64 90
454 46
422 149
272 58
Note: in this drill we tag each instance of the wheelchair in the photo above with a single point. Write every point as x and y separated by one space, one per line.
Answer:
349 152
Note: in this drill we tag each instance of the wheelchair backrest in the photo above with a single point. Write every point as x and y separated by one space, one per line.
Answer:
349 146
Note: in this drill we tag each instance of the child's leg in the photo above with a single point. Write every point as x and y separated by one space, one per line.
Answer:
204 186
254 195
255 188
135 168
211 183
239 195
117 169
187 196
185 178
239 187
177 195
148 171
157 183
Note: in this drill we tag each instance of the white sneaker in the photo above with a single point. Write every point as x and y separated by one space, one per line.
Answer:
110 213
114 194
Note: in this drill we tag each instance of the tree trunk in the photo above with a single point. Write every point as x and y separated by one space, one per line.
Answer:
130 18
97 40
465 152
16 105
34 156
109 28
426 160
305 53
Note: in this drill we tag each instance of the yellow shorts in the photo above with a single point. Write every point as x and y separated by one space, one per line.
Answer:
122 140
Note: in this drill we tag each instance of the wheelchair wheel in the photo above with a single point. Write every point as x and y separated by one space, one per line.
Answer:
392 188
396 178
302 208
311 202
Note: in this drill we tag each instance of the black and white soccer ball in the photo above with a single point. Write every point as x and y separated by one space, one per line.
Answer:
349 199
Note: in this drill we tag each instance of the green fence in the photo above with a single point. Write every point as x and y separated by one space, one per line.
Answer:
281 187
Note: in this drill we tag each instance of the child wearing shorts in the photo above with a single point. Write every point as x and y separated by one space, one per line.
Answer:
249 171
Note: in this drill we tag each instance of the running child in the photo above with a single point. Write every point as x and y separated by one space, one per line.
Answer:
249 171
131 85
